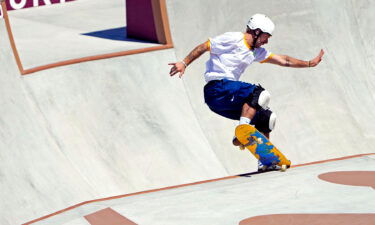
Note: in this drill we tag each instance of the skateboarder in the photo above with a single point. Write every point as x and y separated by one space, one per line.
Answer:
230 54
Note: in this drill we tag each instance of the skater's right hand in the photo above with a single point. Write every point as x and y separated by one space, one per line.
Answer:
177 67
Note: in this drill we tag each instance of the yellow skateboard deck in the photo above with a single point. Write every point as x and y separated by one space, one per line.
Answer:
260 146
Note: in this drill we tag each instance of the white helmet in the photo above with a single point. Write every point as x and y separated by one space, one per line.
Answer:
262 22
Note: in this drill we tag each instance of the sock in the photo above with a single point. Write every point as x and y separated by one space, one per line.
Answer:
244 120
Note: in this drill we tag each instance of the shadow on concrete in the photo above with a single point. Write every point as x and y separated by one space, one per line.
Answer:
115 34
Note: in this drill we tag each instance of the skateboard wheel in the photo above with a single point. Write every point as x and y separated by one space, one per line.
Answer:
283 168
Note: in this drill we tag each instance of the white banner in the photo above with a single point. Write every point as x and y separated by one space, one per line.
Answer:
21 4
18 5
46 2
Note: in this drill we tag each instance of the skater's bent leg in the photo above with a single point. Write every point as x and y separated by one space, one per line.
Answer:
265 121
258 99
248 112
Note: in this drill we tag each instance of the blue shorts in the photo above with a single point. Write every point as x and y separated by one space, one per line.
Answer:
226 97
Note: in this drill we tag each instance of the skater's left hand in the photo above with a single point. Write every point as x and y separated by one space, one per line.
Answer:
314 62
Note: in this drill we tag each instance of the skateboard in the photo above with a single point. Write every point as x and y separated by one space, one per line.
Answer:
261 147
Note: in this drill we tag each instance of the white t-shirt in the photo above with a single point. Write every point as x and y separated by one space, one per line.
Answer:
230 56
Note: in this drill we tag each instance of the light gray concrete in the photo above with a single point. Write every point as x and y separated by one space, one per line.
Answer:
298 191
54 33
122 125
95 130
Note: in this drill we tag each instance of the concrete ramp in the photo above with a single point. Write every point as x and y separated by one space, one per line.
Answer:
94 130
334 192
118 126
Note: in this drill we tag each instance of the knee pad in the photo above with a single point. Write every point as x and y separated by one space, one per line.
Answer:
260 98
264 99
272 121
265 121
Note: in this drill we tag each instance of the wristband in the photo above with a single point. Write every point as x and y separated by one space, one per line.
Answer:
183 62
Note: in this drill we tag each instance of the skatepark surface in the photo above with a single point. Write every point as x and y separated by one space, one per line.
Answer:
118 141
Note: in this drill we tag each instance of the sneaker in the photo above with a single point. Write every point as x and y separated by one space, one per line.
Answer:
263 168
274 167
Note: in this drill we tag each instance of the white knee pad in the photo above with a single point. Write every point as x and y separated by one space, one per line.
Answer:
264 99
272 121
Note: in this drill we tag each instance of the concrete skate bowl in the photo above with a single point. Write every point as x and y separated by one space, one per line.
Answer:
94 129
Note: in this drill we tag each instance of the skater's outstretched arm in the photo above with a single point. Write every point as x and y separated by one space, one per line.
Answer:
287 61
179 67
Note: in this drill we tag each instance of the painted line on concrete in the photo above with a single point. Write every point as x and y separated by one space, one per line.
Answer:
108 216
307 219
96 57
11 38
127 195
331 160
352 178
23 71
180 186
